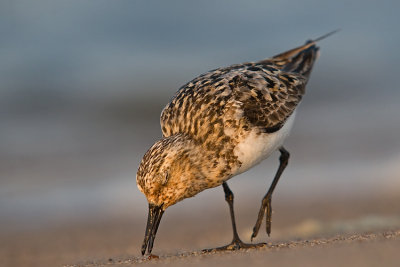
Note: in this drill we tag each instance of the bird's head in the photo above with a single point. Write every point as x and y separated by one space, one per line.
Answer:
170 171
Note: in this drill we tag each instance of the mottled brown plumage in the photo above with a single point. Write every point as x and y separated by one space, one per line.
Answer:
221 124
217 109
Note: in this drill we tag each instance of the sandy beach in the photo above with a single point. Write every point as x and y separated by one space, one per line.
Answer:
371 249
350 231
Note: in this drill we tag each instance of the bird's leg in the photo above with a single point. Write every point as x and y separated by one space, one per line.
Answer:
266 201
229 199
236 242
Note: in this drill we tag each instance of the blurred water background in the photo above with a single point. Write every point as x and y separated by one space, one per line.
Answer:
82 84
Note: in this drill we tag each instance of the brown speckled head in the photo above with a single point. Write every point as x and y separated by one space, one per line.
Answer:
171 170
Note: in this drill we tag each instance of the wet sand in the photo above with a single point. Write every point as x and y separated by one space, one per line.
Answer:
371 249
348 231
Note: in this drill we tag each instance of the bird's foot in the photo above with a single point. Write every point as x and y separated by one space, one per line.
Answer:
236 244
265 208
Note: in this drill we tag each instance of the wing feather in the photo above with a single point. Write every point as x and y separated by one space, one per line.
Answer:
263 93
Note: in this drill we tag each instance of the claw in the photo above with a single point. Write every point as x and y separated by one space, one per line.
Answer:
236 244
256 227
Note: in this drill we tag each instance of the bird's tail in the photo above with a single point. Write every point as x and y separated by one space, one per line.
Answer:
300 59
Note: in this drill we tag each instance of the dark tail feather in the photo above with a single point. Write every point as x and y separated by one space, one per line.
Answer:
303 61
302 58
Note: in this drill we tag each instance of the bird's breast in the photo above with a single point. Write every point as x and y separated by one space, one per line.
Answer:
256 146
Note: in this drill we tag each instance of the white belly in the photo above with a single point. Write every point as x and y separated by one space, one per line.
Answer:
257 147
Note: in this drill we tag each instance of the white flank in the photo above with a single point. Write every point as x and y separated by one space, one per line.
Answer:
257 147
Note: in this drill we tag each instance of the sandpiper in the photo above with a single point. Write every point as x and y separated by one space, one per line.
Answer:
219 125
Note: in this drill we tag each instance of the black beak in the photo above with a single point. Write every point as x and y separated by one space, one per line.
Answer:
153 221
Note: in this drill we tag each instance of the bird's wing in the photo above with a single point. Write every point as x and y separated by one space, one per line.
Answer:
267 96
270 90
263 93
